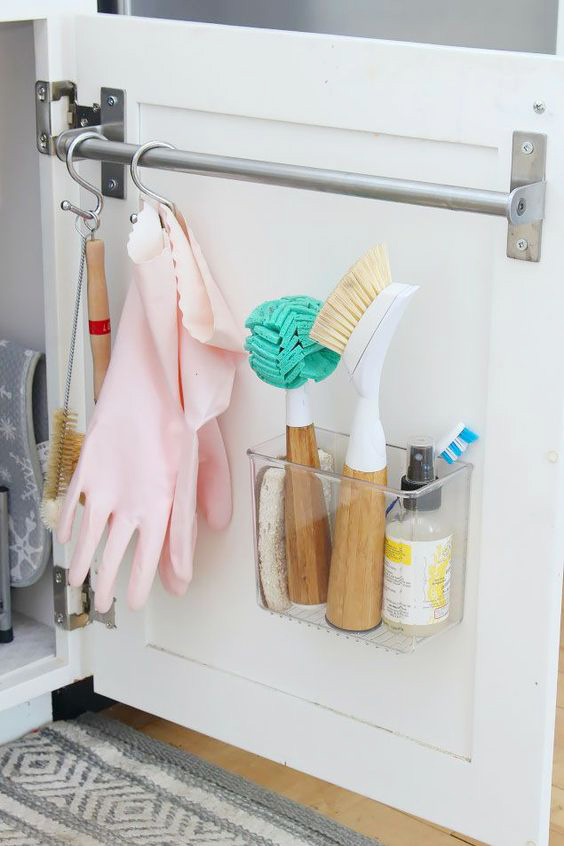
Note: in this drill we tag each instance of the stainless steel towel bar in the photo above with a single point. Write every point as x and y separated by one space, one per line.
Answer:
522 205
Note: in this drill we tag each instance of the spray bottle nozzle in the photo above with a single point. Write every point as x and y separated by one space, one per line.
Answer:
420 471
421 461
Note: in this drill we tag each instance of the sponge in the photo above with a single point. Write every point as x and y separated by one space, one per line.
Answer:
281 351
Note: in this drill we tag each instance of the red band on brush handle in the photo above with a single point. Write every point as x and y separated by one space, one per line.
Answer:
99 327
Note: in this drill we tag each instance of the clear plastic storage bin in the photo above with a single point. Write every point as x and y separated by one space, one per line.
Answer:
269 474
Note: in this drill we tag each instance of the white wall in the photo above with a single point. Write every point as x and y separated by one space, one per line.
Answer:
21 273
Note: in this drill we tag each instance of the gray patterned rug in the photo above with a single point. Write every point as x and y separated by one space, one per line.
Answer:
96 782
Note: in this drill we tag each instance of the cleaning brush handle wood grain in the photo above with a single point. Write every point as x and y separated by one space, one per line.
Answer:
354 601
98 312
308 539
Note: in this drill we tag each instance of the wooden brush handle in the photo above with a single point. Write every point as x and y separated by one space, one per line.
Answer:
98 312
308 541
354 601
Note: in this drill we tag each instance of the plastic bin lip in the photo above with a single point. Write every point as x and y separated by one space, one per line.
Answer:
450 471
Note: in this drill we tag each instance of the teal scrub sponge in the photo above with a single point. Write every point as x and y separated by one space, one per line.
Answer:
281 351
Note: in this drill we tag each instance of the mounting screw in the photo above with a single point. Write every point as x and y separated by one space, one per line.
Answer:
539 107
84 121
111 100
43 140
109 625
41 93
58 577
521 206
527 147
59 619
111 184
95 107
522 244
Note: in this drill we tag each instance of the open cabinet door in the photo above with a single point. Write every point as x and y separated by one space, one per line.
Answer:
42 657
460 731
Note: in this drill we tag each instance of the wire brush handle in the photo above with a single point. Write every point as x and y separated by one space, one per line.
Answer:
98 312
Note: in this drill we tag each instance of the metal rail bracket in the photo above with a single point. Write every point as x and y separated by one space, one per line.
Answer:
114 176
68 620
108 116
528 163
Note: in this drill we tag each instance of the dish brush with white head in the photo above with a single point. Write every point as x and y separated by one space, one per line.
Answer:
359 320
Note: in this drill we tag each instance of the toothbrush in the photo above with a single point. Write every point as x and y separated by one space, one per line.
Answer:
359 320
282 354
456 442
451 447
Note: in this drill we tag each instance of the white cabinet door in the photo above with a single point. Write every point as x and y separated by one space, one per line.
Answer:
459 732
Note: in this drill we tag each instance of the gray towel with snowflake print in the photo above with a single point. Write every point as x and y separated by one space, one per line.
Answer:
23 424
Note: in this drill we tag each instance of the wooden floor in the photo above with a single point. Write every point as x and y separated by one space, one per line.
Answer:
371 818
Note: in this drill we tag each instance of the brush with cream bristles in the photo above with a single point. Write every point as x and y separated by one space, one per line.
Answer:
64 440
358 320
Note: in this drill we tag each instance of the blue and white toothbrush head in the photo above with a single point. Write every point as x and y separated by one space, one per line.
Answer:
452 446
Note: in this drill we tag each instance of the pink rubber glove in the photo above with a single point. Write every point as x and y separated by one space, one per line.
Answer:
130 456
213 481
211 345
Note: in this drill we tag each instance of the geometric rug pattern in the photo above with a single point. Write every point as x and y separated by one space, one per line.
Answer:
96 782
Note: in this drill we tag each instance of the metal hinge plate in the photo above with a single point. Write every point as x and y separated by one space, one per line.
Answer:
108 116
528 162
77 620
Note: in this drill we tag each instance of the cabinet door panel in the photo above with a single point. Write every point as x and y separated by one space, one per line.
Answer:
456 720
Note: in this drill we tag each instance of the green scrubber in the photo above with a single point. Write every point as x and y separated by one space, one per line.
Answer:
281 351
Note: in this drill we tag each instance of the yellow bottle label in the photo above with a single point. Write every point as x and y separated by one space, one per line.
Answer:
419 594
398 552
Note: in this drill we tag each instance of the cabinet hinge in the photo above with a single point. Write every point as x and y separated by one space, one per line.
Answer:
108 116
86 614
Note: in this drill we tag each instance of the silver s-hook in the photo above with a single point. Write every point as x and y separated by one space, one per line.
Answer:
91 218
134 170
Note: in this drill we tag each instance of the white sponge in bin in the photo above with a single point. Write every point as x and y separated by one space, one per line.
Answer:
273 571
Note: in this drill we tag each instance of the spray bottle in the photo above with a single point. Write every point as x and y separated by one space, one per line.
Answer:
418 552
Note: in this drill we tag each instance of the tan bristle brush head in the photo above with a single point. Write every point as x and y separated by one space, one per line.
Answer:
356 291
64 452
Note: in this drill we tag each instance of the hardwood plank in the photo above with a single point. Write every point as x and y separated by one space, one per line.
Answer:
459 838
558 761
130 716
557 810
556 838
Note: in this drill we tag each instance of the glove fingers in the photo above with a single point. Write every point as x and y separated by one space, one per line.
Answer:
169 579
66 518
119 535
183 524
145 562
91 529
214 478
